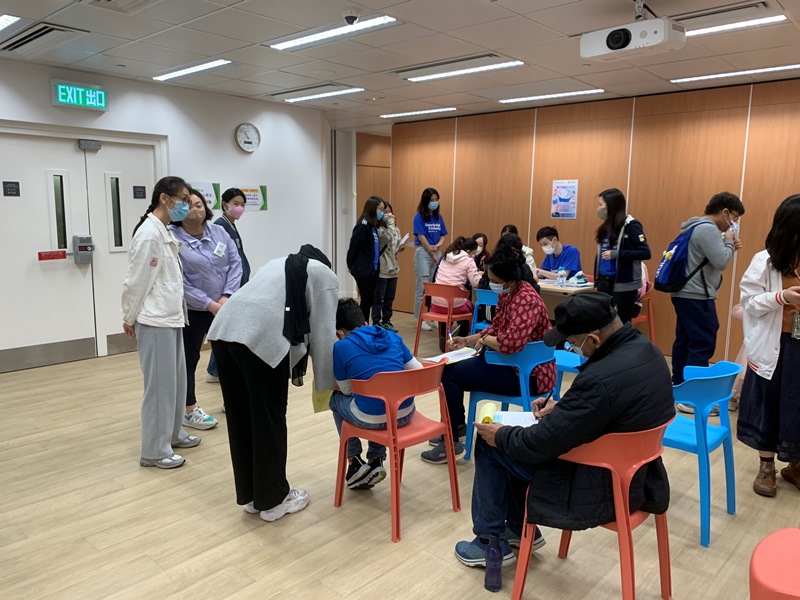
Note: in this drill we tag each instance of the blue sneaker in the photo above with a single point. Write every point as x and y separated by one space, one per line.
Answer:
473 554
513 535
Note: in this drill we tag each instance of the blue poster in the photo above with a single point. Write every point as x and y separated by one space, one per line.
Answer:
564 203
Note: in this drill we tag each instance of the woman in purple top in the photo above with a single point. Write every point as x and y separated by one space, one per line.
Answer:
212 271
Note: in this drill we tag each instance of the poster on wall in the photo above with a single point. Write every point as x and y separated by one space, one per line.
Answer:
565 199
210 192
256 197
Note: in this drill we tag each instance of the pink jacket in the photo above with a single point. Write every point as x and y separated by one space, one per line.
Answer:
457 269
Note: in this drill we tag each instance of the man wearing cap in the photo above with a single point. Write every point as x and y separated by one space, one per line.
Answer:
624 386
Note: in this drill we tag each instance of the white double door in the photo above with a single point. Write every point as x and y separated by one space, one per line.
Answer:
55 311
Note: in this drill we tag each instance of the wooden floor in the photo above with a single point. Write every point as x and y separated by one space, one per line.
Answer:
80 519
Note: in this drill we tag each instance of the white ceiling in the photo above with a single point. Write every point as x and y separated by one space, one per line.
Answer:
542 33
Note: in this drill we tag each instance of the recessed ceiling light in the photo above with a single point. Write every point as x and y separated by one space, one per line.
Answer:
736 73
417 112
469 71
7 21
550 96
735 26
323 35
325 95
197 68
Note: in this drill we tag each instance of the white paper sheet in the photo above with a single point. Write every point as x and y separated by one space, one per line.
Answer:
511 418
402 241
453 356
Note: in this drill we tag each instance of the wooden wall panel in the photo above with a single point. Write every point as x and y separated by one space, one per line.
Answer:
422 156
373 150
493 174
589 142
372 181
686 148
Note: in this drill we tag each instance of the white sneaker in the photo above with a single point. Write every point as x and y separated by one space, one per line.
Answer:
198 419
211 378
249 508
426 326
296 500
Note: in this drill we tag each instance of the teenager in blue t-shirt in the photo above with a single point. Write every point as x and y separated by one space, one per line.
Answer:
361 352
558 256
429 230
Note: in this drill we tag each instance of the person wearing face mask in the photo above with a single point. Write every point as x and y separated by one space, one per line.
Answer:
621 248
521 317
482 254
557 255
212 271
623 387
363 254
233 205
712 244
386 288
154 314
429 232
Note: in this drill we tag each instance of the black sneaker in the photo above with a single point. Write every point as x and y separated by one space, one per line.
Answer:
377 473
438 455
357 473
389 327
462 432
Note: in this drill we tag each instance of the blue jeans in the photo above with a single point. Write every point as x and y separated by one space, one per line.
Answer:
340 407
212 366
498 493
695 334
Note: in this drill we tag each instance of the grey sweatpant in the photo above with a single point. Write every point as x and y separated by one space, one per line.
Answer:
164 369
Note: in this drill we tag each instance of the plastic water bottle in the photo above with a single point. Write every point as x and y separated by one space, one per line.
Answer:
493 580
561 278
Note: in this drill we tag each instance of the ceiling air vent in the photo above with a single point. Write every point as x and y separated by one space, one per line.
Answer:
124 6
39 39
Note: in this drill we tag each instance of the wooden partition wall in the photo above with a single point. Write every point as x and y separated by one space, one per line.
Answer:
671 153
373 165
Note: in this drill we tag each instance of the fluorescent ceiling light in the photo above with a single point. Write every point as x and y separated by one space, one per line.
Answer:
418 112
736 73
550 96
470 71
195 69
735 26
293 42
7 21
325 95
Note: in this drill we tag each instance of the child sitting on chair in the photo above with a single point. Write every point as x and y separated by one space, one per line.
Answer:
361 352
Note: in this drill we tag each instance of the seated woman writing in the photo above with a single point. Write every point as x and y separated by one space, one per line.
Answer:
521 318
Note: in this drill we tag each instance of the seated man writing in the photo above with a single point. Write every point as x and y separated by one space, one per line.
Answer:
361 352
624 386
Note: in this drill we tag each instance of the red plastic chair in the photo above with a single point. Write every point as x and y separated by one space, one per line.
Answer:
622 454
648 318
394 388
448 293
773 567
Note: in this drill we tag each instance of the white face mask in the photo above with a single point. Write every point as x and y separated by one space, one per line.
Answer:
497 288
479 251
548 249
735 228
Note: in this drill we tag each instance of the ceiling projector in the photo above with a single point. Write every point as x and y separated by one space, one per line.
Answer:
646 36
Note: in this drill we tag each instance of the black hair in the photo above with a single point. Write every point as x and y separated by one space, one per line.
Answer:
723 200
507 261
370 212
349 315
615 219
783 239
199 194
170 186
547 232
476 236
231 193
389 206
461 243
510 228
422 207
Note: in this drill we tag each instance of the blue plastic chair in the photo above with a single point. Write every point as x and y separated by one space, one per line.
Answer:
566 362
704 388
482 298
525 361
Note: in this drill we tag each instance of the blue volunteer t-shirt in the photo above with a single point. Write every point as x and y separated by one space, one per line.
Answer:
433 229
375 249
607 267
363 353
569 259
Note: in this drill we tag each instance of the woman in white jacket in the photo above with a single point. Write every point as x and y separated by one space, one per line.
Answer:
769 410
154 313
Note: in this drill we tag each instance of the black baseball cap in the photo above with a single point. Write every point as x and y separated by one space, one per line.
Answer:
581 313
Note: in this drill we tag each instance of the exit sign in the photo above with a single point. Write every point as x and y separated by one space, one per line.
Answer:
78 95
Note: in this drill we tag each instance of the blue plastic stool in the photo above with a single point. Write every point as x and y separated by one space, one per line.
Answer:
482 298
525 361
704 388
566 362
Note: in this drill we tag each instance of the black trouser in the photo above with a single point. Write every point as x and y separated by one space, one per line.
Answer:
385 290
255 397
696 329
627 308
366 292
193 334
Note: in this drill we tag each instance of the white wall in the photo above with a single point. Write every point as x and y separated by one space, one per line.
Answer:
345 208
293 160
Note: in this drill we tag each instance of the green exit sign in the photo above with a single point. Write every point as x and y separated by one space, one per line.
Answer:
78 95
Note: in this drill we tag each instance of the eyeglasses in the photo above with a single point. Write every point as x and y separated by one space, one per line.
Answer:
182 199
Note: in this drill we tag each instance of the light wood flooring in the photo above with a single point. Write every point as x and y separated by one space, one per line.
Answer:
80 519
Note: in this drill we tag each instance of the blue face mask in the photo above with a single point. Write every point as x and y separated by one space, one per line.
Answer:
379 214
497 288
179 212
433 205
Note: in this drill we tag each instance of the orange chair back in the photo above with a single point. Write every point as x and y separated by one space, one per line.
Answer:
448 293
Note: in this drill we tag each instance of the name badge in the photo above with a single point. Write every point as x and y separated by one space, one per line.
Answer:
219 250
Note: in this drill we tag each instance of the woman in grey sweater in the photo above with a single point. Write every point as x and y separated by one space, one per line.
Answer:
261 338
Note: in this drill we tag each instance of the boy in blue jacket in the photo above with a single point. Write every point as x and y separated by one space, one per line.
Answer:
361 352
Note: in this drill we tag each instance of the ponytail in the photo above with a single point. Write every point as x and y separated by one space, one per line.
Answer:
461 243
166 185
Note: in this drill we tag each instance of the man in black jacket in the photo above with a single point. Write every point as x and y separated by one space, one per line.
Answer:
624 386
